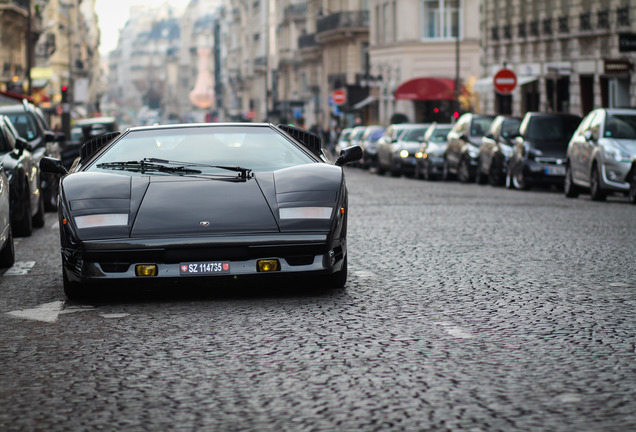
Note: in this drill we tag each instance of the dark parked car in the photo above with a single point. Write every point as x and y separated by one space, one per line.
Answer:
538 157
234 200
408 145
464 140
27 204
496 149
369 144
33 127
7 251
82 131
601 154
430 156
388 149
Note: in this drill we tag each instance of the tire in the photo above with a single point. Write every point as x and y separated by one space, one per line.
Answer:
631 194
418 171
519 180
427 172
495 175
50 193
338 279
480 178
38 219
72 290
446 174
596 192
24 226
463 171
7 254
570 189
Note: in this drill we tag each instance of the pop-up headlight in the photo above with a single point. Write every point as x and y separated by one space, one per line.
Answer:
101 220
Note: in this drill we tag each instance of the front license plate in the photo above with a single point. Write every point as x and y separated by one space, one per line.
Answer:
204 268
555 170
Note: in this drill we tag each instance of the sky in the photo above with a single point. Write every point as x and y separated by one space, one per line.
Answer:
113 14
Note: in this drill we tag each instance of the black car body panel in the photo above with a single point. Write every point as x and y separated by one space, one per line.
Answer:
539 153
113 218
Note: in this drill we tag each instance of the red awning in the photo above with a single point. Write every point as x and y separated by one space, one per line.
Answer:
17 96
426 89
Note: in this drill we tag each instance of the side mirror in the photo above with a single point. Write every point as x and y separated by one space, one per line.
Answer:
52 165
59 137
348 155
49 136
21 145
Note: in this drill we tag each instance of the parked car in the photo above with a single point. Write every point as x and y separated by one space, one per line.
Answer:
464 139
33 127
27 203
261 201
343 140
387 145
355 139
430 156
7 250
369 144
496 149
408 145
81 132
538 156
601 154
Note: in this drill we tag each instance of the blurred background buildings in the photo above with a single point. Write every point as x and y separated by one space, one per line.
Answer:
324 63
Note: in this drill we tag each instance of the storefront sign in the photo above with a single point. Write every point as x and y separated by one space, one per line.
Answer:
627 42
619 66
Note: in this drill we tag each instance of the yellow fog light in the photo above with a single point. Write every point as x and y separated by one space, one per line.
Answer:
267 265
146 270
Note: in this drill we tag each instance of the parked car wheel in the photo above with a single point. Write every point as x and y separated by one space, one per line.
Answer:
463 171
7 255
495 175
24 226
519 181
632 187
38 219
446 174
570 189
338 279
480 178
596 192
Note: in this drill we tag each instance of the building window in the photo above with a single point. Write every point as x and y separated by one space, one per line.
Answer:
440 18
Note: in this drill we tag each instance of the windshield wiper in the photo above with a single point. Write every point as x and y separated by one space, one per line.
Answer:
145 165
244 173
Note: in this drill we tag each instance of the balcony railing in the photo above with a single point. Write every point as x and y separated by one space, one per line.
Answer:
343 20
307 41
260 61
295 11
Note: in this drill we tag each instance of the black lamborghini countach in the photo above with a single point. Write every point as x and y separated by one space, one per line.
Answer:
234 200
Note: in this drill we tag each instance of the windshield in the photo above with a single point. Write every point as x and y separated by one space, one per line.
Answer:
552 128
254 148
510 128
25 125
440 134
415 134
479 126
620 126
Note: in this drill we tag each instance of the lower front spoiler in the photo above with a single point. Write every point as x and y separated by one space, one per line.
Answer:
88 271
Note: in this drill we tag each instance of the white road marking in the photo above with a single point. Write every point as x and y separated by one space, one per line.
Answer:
55 225
618 284
455 331
47 312
364 274
20 268
114 315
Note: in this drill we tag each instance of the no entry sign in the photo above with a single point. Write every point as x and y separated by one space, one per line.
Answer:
505 81
339 96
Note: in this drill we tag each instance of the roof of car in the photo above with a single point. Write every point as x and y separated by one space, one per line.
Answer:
199 125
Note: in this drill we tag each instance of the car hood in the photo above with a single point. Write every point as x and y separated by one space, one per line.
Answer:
556 148
626 145
411 146
174 206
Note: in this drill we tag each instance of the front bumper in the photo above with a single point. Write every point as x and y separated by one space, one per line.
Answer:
545 171
105 260
614 174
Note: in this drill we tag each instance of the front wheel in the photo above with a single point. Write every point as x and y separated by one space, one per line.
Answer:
7 255
596 192
463 171
338 279
570 189
24 226
632 187
519 180
72 290
38 219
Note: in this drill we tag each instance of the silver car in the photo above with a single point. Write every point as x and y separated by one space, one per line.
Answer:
602 153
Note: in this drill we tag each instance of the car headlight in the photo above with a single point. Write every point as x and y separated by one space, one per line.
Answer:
404 154
616 154
101 220
305 212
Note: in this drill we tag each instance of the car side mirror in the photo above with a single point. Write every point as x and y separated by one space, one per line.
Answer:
59 137
21 145
49 136
52 165
348 155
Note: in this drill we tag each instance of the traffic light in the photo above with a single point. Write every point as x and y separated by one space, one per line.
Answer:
64 93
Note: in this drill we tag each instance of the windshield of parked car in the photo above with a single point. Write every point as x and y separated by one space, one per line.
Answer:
620 126
25 125
479 126
440 134
510 128
551 128
259 149
415 134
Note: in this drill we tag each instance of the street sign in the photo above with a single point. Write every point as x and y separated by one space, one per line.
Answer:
339 96
505 81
